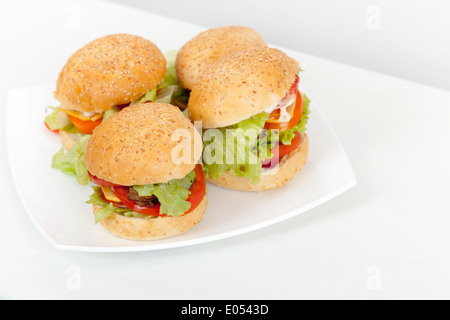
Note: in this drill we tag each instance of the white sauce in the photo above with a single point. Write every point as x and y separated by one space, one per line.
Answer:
283 105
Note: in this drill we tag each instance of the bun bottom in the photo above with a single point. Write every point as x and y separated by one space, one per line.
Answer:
288 167
152 228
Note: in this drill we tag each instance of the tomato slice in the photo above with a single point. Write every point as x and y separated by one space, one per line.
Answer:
100 182
122 193
281 150
298 112
198 190
275 115
295 143
55 131
84 126
294 89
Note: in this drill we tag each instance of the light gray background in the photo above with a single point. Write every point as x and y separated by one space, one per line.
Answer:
393 226
405 38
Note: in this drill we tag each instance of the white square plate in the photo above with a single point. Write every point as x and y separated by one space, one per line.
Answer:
55 202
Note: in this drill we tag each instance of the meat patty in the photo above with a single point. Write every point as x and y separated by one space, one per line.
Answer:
151 201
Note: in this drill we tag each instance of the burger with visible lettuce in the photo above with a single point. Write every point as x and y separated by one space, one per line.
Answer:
143 164
253 118
100 79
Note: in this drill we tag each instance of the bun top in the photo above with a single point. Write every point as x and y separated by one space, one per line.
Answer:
143 144
110 71
195 57
241 85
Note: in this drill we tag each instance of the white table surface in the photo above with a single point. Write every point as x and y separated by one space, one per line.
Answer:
387 238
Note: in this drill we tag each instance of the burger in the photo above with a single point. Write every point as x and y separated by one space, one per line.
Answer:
145 186
100 79
253 118
198 54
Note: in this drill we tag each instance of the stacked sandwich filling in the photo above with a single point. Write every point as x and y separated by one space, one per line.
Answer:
171 199
81 123
61 119
129 160
279 132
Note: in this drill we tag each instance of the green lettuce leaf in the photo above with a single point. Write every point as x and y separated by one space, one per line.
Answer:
235 149
180 96
287 136
72 161
108 208
150 96
170 78
110 112
165 95
170 90
172 195
58 120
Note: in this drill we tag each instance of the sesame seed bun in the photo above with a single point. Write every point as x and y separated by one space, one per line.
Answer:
141 145
195 57
110 71
152 228
241 85
289 166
